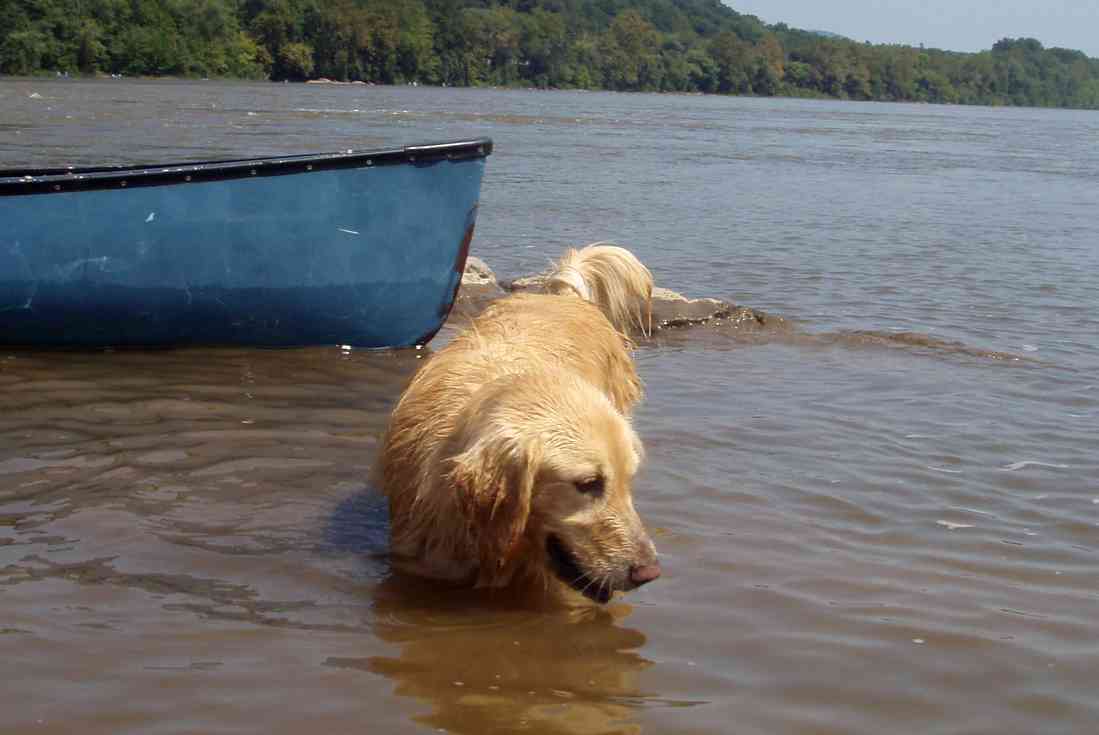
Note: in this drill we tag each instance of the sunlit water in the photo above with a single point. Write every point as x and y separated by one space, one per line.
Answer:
882 520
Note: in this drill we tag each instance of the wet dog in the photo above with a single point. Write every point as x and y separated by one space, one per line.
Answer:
509 459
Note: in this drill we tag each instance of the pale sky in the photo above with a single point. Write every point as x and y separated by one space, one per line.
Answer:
954 25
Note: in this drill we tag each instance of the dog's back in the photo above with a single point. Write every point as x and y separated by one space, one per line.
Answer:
539 329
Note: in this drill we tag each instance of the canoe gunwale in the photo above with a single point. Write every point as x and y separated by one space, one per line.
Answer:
21 182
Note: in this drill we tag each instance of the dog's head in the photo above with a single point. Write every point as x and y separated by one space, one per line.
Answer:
542 465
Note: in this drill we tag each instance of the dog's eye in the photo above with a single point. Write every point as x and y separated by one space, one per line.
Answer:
593 487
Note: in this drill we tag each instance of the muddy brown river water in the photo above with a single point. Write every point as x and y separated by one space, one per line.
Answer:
882 520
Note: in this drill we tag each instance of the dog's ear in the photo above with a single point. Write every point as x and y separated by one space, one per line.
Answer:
494 481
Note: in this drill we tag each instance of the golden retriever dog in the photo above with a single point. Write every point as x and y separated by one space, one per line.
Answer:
509 459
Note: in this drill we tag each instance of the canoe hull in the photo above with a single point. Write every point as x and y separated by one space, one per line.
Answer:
369 256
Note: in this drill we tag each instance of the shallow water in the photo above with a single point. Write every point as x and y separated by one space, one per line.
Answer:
882 519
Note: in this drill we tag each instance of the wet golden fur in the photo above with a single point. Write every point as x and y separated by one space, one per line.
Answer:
493 449
610 277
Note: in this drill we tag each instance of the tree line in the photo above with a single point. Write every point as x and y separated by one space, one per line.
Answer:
626 45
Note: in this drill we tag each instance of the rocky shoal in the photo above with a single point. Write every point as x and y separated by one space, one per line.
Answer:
671 309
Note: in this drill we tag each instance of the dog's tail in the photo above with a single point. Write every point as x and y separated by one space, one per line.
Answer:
613 279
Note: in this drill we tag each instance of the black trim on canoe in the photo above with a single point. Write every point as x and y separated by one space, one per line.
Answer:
58 180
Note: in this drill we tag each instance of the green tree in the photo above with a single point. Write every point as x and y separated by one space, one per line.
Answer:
296 60
702 71
630 52
90 49
24 51
416 60
735 60
543 46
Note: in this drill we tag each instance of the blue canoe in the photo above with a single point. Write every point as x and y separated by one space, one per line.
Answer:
362 248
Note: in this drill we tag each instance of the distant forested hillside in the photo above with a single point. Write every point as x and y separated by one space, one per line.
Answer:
629 45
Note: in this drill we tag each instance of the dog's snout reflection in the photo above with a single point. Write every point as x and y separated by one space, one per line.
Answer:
485 665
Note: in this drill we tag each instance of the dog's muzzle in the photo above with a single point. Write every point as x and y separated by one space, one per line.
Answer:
568 569
641 574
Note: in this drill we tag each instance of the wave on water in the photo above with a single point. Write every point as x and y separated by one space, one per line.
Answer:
916 341
741 325
1034 463
495 118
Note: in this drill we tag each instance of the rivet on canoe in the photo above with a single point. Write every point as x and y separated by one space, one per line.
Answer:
122 184
57 187
369 162
187 178
309 167
253 172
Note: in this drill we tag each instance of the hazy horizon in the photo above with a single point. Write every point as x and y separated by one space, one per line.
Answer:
952 25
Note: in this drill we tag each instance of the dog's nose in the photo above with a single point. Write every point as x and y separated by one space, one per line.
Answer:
639 575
